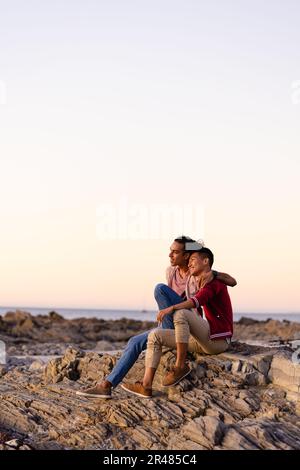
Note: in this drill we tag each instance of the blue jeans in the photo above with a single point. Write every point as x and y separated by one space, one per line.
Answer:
165 297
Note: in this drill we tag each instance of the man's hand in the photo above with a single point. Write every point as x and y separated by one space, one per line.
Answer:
162 313
205 279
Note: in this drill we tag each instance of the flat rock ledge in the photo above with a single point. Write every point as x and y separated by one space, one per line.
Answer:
246 398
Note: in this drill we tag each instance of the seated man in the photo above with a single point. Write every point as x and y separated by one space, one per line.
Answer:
179 281
192 332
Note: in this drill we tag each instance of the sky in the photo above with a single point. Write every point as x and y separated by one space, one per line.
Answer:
126 123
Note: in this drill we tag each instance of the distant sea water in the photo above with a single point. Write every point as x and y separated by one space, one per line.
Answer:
147 315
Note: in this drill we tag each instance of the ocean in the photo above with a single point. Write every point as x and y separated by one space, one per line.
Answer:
148 315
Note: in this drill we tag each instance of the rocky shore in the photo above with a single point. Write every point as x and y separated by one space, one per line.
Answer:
246 398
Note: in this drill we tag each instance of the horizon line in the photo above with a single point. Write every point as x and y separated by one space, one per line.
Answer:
139 310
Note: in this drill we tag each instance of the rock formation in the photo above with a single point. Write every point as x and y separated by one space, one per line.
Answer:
246 398
227 402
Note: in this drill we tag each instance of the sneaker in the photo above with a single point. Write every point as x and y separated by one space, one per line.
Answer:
95 392
138 389
176 375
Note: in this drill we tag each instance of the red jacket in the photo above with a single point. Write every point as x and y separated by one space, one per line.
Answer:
216 302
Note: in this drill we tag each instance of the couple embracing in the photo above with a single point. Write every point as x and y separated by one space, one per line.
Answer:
195 315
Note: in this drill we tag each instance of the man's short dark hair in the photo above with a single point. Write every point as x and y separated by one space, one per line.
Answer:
185 241
206 253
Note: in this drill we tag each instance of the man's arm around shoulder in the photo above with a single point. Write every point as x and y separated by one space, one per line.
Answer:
226 279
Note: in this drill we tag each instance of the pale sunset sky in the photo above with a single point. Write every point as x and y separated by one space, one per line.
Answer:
160 104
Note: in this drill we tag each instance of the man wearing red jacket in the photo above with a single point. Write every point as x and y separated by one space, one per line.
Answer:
209 335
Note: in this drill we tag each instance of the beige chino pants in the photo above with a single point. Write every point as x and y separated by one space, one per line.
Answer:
189 328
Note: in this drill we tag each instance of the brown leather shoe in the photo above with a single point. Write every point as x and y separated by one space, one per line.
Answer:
138 389
176 375
95 392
